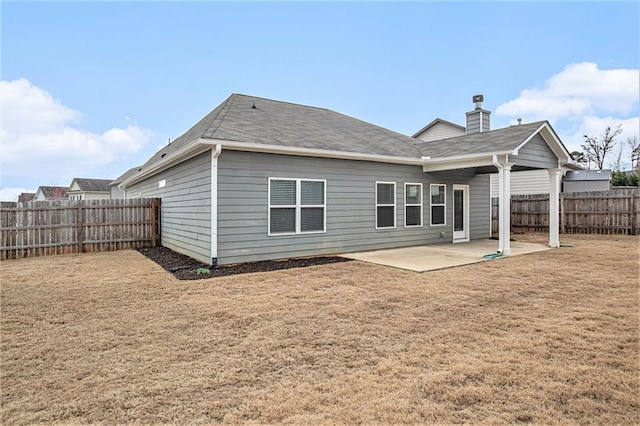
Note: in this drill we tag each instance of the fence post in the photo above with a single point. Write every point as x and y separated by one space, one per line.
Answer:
633 212
80 236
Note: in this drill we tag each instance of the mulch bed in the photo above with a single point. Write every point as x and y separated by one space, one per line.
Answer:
187 268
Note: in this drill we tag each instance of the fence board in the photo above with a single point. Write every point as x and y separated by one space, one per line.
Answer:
58 227
603 212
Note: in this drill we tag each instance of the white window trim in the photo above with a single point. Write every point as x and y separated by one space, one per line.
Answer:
431 205
386 205
298 207
413 205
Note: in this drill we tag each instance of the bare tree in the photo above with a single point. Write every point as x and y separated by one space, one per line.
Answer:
596 149
634 146
617 165
579 157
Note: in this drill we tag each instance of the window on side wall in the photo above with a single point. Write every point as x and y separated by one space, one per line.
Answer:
385 205
412 204
438 204
296 206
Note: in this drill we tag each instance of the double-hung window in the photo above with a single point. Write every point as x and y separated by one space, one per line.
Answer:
438 204
296 206
385 205
412 204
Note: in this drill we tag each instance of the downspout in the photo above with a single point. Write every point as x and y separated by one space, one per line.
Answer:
215 153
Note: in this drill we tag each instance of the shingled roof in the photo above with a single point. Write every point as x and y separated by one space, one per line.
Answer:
92 185
254 120
54 192
25 197
250 123
125 176
500 140
589 175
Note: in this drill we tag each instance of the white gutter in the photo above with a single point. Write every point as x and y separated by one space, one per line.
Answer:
312 152
460 162
202 144
188 151
467 156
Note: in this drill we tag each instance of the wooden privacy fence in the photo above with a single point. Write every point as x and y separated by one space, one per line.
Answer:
602 212
59 227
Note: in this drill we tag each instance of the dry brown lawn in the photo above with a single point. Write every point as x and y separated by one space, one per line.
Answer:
550 337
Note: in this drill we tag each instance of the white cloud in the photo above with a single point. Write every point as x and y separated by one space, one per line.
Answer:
40 138
582 100
579 89
11 194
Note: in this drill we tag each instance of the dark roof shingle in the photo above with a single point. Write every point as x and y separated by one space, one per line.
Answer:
93 185
54 192
124 176
505 139
25 197
286 124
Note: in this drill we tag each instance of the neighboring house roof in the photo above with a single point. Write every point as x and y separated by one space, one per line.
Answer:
124 176
25 197
587 175
89 185
54 192
434 122
286 124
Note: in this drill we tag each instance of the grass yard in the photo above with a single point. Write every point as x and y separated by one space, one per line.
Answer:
550 337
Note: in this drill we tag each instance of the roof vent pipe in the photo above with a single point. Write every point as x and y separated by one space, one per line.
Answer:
477 100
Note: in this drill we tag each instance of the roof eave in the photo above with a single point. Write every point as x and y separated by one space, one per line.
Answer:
461 161
311 152
201 145
183 154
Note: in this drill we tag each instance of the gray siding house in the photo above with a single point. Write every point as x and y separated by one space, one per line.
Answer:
116 192
89 189
260 179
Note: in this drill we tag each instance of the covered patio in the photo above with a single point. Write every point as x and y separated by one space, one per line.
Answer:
432 257
515 148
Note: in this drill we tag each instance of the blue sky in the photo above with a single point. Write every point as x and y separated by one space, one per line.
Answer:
91 89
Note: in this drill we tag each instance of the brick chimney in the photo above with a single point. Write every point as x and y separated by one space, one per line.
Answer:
478 120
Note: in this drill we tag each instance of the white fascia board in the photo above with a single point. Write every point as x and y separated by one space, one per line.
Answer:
455 158
442 165
202 144
183 154
310 152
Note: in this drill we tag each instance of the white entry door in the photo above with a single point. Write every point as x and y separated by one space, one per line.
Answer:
460 213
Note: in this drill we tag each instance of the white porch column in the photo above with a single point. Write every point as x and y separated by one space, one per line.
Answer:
554 207
500 210
504 205
505 202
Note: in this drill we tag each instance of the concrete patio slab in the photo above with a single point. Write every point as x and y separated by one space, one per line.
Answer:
439 256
